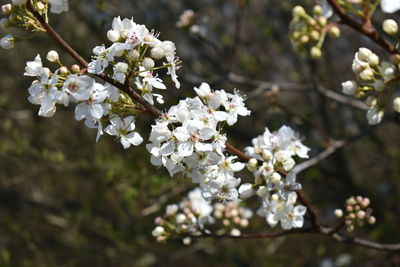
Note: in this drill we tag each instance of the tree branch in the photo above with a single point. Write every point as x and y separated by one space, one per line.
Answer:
366 28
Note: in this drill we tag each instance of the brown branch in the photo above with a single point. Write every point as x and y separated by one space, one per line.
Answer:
366 28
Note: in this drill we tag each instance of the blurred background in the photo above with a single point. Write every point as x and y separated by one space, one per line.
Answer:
67 201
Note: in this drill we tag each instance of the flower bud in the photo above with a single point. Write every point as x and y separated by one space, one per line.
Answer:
373 59
315 35
6 9
395 59
322 21
379 85
352 216
361 214
158 231
7 42
298 11
276 177
63 70
334 31
157 52
244 223
374 116
316 52
113 36
148 63
235 232
349 208
371 220
363 54
304 39
168 47
365 202
75 68
262 192
367 75
134 54
180 218
338 213
390 27
52 56
349 87
371 101
246 190
171 209
317 10
396 104
266 154
253 163
121 67
40 6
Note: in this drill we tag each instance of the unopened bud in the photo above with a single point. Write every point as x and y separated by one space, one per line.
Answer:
367 75
75 68
7 42
322 21
317 10
298 11
134 54
390 27
6 9
40 6
338 213
52 56
361 214
148 63
315 52
113 36
315 35
63 70
121 67
334 31
379 85
253 163
304 39
157 52
349 87
373 59
371 220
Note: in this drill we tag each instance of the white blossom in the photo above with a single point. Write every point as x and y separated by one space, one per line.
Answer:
123 129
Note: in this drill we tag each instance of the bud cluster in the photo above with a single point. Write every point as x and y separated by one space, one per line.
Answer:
184 220
17 15
190 217
374 81
308 31
231 216
358 213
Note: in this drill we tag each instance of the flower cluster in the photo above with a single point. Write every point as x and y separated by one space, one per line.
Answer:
309 31
18 16
374 80
135 52
232 217
186 219
358 212
188 140
272 160
194 213
93 100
